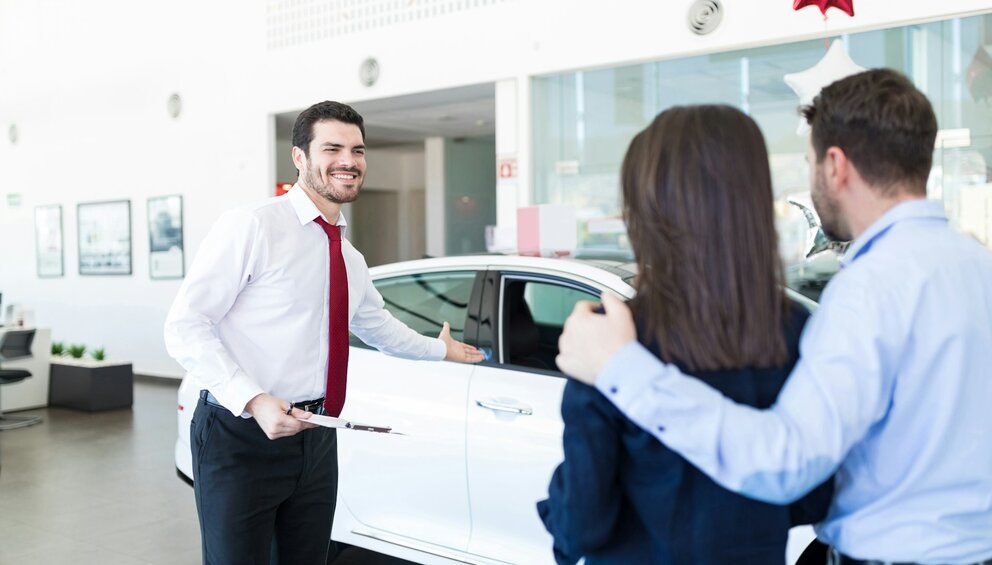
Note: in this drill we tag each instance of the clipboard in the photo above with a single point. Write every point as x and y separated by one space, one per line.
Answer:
341 423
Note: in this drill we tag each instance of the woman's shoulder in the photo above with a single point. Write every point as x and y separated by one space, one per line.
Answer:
585 407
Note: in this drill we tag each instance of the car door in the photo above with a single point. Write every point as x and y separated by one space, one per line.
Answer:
514 413
411 485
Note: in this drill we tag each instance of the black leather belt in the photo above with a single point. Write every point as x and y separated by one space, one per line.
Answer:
835 557
313 406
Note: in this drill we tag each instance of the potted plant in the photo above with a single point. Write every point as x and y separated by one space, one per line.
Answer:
89 383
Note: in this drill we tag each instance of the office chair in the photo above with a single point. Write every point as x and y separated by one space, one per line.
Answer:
15 344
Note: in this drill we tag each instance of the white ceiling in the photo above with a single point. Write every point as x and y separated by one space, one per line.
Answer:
467 111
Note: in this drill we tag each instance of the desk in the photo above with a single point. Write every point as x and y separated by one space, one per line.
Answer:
32 392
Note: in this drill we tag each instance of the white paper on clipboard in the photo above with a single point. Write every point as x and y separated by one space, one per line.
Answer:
332 422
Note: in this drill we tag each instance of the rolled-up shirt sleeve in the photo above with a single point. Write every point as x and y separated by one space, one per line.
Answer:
220 271
840 387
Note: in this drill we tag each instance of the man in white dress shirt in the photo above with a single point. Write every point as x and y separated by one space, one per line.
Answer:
261 324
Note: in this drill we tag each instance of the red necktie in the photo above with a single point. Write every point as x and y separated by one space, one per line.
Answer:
337 350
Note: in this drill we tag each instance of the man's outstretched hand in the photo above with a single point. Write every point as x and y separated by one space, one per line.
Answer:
590 339
458 351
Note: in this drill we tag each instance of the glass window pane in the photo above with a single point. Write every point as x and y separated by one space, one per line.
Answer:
584 121
533 316
424 302
551 304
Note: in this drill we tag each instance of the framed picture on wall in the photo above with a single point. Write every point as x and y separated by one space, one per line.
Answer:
104 237
166 259
48 240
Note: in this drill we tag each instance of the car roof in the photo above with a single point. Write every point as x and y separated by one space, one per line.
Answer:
602 273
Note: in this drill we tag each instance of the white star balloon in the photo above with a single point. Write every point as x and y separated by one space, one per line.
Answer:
835 65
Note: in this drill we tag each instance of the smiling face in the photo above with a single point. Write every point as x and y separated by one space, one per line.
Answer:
334 166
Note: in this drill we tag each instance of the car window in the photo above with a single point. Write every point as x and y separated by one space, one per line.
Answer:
425 301
551 304
533 315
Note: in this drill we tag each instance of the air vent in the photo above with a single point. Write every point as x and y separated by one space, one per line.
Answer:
293 23
705 16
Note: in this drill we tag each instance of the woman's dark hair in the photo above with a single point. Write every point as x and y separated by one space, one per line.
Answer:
885 126
697 198
319 112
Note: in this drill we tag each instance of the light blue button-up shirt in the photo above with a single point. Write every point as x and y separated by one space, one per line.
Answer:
893 392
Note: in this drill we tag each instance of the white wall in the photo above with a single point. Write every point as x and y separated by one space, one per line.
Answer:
87 82
395 168
399 169
434 196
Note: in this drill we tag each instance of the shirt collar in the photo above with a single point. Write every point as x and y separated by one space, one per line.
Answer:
306 210
909 210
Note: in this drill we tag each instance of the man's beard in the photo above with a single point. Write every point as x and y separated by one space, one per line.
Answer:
327 189
829 211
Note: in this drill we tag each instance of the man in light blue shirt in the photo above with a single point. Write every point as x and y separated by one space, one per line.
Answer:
893 391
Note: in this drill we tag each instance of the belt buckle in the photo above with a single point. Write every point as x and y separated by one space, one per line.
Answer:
312 406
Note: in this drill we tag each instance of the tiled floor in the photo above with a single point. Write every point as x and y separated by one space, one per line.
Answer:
97 488
101 488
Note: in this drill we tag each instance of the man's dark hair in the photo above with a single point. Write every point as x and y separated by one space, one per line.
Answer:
319 112
885 126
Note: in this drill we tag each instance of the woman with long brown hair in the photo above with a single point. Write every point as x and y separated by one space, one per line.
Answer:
697 199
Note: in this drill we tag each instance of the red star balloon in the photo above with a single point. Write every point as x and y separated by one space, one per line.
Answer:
846 6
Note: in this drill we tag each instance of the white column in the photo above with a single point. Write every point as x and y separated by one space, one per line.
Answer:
513 171
434 194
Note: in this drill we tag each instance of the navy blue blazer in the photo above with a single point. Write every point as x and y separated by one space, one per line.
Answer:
621 496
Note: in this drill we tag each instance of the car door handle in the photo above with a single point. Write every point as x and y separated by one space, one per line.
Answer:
505 406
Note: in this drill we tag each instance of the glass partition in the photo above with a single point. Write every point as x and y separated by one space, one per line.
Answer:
583 122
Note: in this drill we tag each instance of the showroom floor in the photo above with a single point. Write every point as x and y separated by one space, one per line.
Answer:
101 488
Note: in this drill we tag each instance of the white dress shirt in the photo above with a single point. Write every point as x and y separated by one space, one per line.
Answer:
892 392
251 316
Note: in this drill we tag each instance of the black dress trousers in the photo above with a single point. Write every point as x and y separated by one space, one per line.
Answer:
262 501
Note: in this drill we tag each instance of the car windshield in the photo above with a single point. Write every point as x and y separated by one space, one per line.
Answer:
809 258
807 276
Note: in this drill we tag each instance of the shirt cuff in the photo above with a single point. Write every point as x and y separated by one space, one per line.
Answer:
237 393
438 350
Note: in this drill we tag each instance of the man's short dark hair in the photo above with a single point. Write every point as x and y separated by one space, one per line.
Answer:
319 112
885 126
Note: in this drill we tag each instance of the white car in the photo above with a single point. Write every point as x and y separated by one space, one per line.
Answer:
481 441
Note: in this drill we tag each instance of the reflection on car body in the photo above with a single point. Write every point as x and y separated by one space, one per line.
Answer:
481 440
